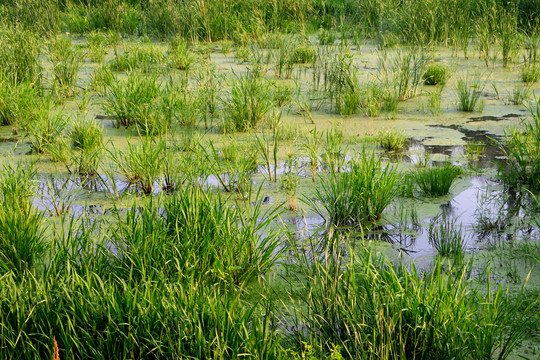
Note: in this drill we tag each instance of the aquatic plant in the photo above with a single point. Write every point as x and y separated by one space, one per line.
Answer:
86 134
22 237
66 62
446 237
312 146
19 103
469 95
436 74
530 74
125 100
250 102
521 147
140 164
46 128
403 72
358 196
233 167
520 94
19 55
144 58
289 181
209 84
334 149
392 140
180 57
437 180
97 43
372 309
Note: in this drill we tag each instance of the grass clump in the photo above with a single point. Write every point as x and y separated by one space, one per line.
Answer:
522 149
97 46
446 237
128 100
469 96
358 196
369 308
436 74
21 229
392 140
66 62
86 134
144 58
530 74
46 129
250 102
437 180
17 103
19 55
141 164
180 57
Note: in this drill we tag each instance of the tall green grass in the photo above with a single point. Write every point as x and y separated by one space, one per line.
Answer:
66 61
367 308
141 164
522 149
22 237
469 94
437 180
358 196
446 237
19 55
130 100
249 103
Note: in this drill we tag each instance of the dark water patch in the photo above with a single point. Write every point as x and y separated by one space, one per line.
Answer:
493 118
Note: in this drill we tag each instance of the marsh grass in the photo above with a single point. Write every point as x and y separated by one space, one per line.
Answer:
392 140
18 103
140 164
522 149
312 145
334 149
369 308
233 167
530 74
22 237
125 100
180 56
86 134
358 196
404 71
19 55
436 74
446 237
290 180
249 103
46 128
469 94
437 180
97 46
66 61
144 58
209 84
520 94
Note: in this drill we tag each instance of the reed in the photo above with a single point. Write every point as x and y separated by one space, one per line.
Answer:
469 95
66 62
367 308
446 237
437 181
250 102
358 196
140 164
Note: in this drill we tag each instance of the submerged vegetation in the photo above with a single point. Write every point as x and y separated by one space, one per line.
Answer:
288 179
